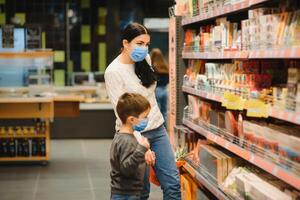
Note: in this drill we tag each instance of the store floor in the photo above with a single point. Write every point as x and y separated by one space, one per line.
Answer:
78 170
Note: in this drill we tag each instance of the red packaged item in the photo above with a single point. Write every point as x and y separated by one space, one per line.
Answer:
231 123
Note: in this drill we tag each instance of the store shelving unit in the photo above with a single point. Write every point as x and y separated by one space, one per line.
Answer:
263 163
26 54
289 176
216 55
15 108
277 113
28 108
288 53
225 10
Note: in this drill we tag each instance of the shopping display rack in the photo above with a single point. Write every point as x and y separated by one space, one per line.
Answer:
257 156
282 168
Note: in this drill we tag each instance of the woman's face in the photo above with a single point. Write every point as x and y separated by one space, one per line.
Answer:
139 41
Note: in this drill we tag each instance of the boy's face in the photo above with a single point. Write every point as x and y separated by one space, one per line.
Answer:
135 120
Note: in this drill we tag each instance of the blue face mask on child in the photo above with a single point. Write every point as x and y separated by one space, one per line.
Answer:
141 126
139 54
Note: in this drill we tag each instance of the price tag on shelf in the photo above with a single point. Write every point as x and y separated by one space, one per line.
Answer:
256 108
232 101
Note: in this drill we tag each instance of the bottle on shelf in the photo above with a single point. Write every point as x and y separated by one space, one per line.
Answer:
12 148
34 147
25 147
4 148
2 131
20 147
11 131
42 147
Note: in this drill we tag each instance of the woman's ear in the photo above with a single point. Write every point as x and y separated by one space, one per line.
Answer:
125 44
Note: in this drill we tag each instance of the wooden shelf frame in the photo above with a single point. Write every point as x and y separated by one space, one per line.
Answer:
28 108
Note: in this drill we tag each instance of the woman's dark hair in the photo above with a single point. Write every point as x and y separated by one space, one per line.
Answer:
142 69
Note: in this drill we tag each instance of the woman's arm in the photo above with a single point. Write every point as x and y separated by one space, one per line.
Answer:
114 86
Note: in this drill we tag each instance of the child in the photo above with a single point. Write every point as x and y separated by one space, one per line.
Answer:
127 154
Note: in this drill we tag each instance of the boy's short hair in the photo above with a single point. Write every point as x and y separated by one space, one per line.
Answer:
131 104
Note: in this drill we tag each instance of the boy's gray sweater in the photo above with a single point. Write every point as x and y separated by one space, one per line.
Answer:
127 160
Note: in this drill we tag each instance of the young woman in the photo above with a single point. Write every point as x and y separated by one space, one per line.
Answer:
130 72
162 70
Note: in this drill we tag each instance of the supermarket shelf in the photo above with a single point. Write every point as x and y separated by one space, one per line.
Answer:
281 114
204 181
216 55
200 93
254 2
222 11
26 100
292 53
285 115
22 136
13 159
26 54
285 53
262 163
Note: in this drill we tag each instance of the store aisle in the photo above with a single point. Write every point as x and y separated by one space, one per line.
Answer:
78 170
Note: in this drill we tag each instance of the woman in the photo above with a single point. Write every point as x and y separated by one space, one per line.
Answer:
162 70
130 72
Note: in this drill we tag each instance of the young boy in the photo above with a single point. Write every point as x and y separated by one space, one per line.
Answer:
127 154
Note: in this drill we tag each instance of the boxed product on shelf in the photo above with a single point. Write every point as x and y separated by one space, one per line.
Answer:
293 35
231 123
194 68
254 187
184 138
188 187
293 74
252 183
194 104
204 109
266 28
217 162
223 36
282 141
212 162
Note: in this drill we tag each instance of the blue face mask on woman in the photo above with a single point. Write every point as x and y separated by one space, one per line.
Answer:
139 53
141 126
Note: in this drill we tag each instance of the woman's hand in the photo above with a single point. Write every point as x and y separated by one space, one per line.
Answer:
150 157
144 142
